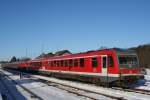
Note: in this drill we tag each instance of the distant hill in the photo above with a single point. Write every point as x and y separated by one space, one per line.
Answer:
143 52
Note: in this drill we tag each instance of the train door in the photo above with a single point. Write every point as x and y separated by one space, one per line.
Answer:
104 64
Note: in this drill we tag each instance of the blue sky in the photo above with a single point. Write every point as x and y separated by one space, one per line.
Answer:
76 25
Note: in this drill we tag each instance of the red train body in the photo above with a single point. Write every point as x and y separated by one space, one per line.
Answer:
106 65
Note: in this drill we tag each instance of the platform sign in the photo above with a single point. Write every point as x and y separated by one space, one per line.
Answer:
104 64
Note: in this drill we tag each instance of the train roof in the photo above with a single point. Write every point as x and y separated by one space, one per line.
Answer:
88 53
125 51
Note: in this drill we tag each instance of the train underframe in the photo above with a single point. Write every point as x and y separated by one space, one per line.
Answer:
107 81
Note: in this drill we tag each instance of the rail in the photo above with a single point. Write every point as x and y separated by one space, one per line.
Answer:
141 91
33 95
72 88
4 96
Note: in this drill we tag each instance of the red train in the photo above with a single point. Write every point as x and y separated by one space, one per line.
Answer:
101 66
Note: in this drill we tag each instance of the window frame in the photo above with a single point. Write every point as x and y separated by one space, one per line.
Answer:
82 62
62 63
70 62
110 61
94 62
66 63
76 63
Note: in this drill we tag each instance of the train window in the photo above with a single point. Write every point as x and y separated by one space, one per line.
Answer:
70 63
76 63
57 64
49 64
61 63
52 64
37 64
34 64
30 64
40 64
110 61
81 62
94 62
66 63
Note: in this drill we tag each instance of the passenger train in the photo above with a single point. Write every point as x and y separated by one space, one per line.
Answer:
112 66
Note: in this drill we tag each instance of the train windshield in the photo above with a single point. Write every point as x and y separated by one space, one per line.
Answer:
130 61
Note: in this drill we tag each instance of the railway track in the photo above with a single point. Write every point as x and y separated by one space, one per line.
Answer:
32 95
82 92
78 91
7 94
141 91
75 90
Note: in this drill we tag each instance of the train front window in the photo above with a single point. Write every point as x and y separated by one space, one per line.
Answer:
128 61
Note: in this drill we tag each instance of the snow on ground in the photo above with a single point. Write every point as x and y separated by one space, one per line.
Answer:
52 93
145 84
0 96
148 71
11 89
44 91
112 92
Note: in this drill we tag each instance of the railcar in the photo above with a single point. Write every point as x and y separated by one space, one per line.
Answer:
101 66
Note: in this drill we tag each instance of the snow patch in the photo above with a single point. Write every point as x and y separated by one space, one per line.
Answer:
148 71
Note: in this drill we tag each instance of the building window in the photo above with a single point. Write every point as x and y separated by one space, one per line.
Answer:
94 62
76 63
81 62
